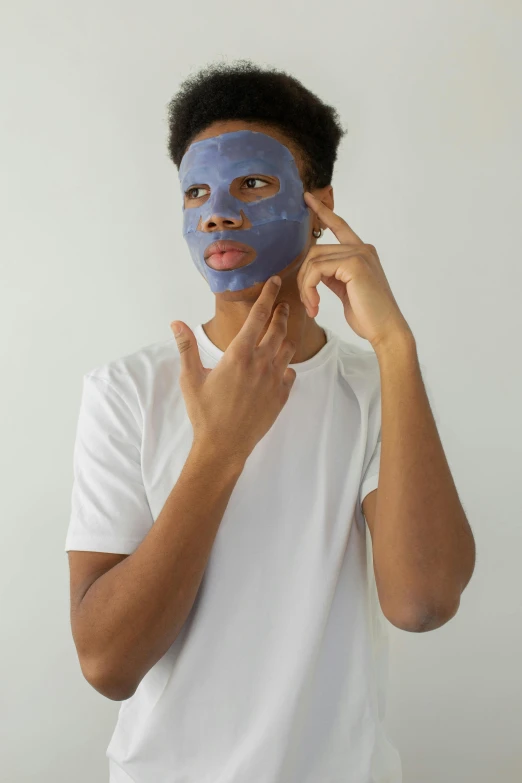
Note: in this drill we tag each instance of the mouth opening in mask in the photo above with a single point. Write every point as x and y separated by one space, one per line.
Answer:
224 255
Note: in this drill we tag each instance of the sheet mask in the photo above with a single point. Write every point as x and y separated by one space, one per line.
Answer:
280 223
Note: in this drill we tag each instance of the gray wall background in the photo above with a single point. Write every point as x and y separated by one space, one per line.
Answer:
93 266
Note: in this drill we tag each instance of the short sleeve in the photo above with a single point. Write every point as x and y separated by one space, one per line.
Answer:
370 480
109 506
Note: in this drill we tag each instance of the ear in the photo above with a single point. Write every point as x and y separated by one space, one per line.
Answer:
325 195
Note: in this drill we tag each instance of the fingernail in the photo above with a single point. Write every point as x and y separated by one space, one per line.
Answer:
276 279
176 328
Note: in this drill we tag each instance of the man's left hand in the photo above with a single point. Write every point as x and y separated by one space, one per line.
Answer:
353 271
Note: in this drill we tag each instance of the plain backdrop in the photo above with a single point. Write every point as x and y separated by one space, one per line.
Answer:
94 266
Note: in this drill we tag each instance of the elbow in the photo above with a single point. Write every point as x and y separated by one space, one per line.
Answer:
108 683
422 619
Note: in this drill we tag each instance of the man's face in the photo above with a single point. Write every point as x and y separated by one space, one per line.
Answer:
243 187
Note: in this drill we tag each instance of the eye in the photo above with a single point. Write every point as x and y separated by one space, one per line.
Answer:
191 190
255 179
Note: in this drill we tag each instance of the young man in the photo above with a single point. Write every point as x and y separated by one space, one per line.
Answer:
224 478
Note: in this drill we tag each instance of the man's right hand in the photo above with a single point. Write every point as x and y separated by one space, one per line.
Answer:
233 405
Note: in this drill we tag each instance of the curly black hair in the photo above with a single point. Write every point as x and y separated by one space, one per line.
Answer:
246 91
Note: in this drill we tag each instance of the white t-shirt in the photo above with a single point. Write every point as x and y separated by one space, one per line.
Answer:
279 673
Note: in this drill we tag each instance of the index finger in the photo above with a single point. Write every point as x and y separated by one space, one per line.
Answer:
335 223
259 314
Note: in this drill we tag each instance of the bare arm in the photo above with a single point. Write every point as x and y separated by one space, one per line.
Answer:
129 616
423 547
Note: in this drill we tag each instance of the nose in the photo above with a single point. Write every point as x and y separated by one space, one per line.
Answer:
218 223
221 223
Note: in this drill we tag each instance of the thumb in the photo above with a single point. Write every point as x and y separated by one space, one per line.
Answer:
188 350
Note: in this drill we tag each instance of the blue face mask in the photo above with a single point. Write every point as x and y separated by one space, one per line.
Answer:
280 223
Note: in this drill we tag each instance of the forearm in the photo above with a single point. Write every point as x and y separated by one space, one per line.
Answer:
423 551
131 614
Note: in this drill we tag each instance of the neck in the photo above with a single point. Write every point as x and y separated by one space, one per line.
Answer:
230 316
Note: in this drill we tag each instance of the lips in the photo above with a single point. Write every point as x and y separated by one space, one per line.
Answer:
225 254
221 246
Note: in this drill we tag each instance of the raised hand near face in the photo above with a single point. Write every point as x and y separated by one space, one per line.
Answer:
353 271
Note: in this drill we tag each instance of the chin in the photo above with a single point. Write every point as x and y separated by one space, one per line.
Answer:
249 294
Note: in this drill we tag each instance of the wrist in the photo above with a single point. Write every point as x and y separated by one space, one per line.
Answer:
397 343
223 457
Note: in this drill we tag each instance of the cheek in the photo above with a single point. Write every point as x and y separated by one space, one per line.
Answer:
191 219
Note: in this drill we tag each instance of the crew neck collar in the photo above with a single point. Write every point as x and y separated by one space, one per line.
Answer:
208 347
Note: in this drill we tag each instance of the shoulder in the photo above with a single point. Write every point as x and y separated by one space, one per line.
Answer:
139 366
138 376
359 367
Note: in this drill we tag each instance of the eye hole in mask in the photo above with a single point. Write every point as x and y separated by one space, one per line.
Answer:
240 188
